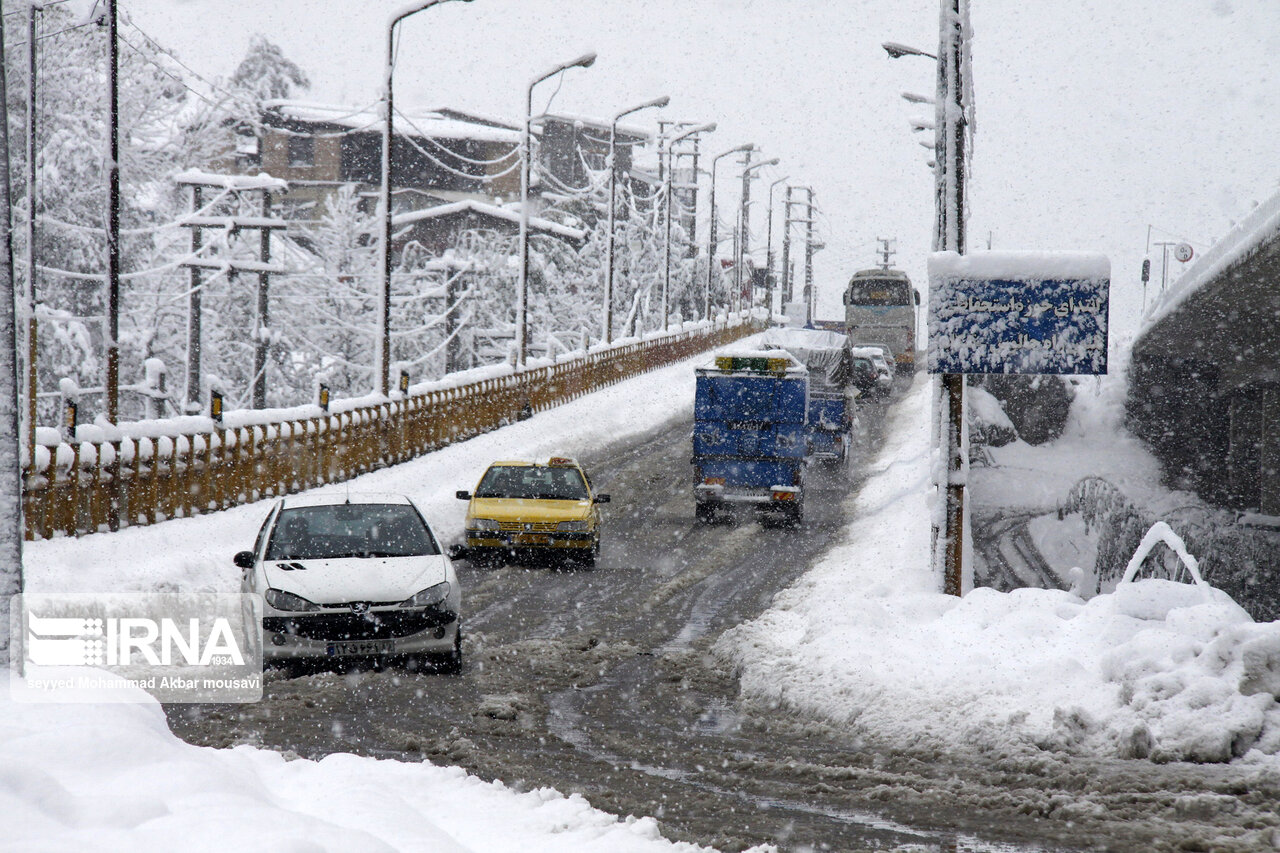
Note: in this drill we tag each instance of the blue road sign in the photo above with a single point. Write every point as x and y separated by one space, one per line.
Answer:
1018 312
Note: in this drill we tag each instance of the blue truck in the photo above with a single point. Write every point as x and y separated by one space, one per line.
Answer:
751 414
832 413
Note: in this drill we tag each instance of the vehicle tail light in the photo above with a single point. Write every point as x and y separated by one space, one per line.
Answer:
713 481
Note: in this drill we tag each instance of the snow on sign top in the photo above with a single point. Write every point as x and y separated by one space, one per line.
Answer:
1018 312
1020 265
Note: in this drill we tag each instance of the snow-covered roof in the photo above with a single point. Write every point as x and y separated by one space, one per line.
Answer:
594 123
416 122
469 206
1260 228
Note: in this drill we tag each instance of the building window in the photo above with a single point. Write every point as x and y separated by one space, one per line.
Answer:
302 151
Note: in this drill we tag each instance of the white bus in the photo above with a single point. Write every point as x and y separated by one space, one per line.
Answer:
880 309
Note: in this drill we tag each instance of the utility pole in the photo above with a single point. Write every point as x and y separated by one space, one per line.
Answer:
113 228
888 248
787 222
29 295
11 521
194 308
949 236
744 227
263 343
786 249
808 263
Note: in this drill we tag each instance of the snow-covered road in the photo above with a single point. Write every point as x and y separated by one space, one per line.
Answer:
1079 714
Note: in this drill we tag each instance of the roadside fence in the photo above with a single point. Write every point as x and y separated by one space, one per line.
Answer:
149 471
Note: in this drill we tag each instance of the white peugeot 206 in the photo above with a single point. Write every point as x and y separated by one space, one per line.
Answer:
348 577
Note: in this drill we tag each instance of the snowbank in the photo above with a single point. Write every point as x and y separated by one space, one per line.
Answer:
113 778
1157 669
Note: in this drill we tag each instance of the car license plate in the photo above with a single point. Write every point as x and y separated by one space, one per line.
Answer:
361 647
530 539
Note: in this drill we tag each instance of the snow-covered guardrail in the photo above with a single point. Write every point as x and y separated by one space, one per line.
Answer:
149 471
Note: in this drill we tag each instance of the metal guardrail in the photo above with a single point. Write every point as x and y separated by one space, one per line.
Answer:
87 487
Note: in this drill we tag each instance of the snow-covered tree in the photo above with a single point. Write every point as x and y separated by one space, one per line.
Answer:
266 73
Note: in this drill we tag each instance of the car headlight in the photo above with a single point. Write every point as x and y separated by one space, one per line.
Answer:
574 526
281 600
429 596
482 524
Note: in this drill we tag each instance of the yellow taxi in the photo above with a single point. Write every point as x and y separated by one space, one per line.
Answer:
533 507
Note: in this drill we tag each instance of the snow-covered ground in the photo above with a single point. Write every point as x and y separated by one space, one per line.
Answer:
1156 669
112 777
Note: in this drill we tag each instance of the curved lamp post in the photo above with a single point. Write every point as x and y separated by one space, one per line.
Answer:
711 237
950 180
522 306
384 249
613 183
666 274
742 240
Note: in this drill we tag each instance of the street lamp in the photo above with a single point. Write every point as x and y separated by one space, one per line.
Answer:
384 249
522 306
768 243
745 219
897 51
666 275
711 237
613 183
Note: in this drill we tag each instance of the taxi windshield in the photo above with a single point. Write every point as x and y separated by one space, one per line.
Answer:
535 482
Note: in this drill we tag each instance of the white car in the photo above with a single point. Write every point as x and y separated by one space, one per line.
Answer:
882 358
353 576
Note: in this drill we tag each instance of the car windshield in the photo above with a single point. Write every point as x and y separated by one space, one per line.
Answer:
350 530
532 481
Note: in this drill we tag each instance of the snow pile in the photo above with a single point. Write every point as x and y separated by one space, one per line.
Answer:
113 778
1155 670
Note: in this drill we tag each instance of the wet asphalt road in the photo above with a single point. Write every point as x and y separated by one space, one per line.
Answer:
601 682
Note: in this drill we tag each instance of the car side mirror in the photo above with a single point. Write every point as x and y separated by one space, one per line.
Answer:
462 496
244 559
457 552
917 296
601 499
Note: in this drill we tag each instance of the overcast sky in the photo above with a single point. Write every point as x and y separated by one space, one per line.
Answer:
1095 118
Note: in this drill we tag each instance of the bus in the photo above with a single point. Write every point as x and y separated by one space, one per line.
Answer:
880 309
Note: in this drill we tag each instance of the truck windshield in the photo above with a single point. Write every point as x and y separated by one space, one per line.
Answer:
878 292
534 482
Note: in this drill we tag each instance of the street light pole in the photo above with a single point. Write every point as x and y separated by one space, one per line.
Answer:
740 258
669 176
949 235
711 236
613 183
383 360
768 243
522 305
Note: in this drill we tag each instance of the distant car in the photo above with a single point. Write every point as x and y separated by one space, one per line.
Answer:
882 360
865 377
533 508
354 576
